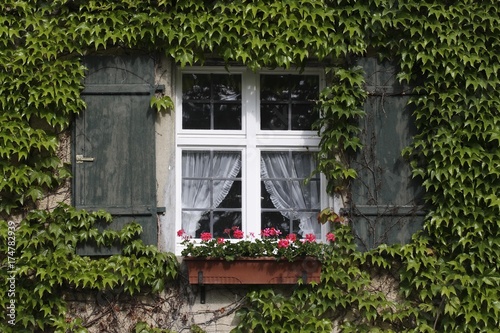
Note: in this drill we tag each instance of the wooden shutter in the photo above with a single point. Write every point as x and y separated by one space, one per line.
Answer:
114 145
385 202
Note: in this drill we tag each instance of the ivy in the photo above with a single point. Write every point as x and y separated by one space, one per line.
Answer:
46 264
345 295
447 50
341 108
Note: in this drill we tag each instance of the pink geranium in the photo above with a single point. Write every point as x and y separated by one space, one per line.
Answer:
238 234
311 238
206 236
330 237
283 243
270 232
270 244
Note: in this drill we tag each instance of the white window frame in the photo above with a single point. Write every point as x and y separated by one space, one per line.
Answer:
250 140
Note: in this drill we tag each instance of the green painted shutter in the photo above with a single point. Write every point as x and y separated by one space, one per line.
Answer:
385 202
114 145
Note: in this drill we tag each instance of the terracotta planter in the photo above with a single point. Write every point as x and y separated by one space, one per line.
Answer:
262 270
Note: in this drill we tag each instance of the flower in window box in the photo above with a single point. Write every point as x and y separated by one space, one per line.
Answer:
310 238
330 237
270 244
283 243
206 236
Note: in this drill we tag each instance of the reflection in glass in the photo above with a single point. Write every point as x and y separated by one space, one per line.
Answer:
287 102
211 101
270 219
274 117
196 116
216 222
224 117
302 117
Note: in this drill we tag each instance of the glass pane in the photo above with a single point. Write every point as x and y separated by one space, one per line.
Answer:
286 196
233 198
211 190
311 194
278 221
287 101
225 220
227 116
265 197
274 117
305 88
202 95
195 116
303 116
305 163
196 87
226 87
275 220
200 188
274 88
204 224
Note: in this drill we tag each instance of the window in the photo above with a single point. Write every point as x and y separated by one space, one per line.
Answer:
246 146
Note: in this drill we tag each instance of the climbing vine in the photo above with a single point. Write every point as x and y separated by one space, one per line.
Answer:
447 50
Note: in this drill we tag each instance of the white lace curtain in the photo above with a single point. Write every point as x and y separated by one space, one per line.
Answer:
289 195
196 193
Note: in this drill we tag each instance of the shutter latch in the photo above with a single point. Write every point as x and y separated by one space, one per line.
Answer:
81 159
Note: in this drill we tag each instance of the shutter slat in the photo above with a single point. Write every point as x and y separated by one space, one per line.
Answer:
118 89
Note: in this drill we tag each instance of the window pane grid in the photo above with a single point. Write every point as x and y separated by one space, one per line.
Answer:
211 101
211 190
287 189
288 102
291 100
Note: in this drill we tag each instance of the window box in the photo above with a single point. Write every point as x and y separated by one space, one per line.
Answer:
252 270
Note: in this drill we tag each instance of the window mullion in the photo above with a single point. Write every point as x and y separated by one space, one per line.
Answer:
252 154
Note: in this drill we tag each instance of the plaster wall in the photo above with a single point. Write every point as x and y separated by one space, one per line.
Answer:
165 159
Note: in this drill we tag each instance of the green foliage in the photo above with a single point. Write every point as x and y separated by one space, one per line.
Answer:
448 50
341 106
162 104
455 154
46 264
344 294
271 244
